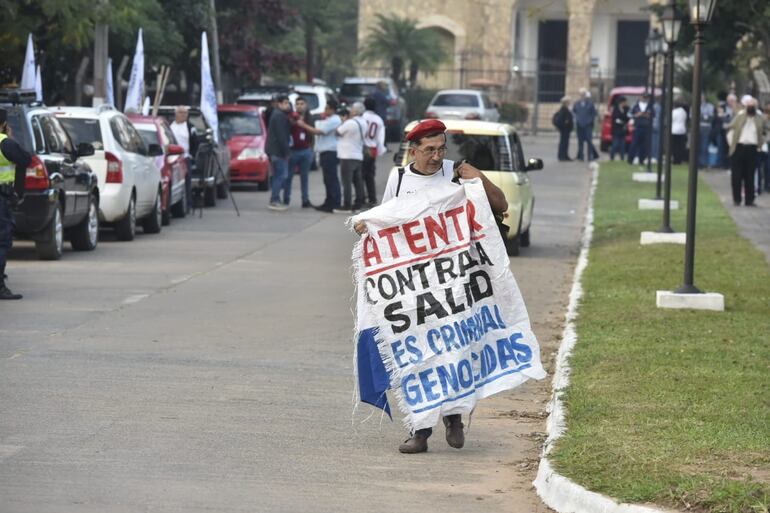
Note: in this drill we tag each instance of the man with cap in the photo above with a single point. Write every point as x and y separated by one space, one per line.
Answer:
14 161
428 168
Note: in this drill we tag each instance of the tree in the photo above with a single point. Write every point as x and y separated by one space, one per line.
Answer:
398 40
249 43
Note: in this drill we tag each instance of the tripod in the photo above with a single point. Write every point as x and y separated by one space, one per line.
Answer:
211 167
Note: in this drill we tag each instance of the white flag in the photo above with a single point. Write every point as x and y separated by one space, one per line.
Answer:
110 92
38 85
136 82
146 106
208 94
28 73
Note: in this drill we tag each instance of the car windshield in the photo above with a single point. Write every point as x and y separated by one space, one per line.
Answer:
456 100
311 99
353 90
239 123
83 131
631 99
17 129
149 134
486 152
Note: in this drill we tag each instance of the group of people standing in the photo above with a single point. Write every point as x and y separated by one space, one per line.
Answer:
732 135
347 142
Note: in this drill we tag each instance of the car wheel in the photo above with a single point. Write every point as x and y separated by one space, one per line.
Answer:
512 246
125 229
154 221
264 185
524 239
85 236
166 212
51 245
222 190
179 209
210 197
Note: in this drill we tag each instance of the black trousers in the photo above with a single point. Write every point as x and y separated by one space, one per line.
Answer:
679 148
367 172
564 144
6 234
743 162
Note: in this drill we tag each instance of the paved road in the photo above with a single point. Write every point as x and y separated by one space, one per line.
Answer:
209 368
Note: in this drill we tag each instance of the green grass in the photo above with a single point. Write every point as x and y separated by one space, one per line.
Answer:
670 406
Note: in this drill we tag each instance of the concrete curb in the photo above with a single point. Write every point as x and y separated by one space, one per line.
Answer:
557 491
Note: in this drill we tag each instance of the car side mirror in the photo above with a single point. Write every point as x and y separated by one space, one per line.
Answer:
175 149
85 149
534 165
154 150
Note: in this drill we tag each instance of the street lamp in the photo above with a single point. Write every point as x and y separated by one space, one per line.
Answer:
649 52
654 48
700 15
671 21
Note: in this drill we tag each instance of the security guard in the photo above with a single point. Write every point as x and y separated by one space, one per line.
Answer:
13 164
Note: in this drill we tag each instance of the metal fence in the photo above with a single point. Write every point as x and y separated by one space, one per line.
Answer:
537 91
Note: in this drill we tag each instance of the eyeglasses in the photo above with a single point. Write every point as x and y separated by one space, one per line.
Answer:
432 151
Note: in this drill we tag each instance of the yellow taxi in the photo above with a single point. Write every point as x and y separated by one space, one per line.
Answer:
495 149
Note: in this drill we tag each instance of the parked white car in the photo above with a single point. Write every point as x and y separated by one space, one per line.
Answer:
129 181
462 104
316 96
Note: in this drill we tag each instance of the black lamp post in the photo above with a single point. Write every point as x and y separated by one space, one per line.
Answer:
671 20
664 104
650 47
700 15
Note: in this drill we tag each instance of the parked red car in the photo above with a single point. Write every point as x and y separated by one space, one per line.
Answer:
172 164
243 128
632 95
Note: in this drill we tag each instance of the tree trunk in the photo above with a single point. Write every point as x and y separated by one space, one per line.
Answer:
414 68
309 50
397 69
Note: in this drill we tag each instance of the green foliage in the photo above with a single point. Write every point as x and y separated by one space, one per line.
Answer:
669 406
398 41
513 112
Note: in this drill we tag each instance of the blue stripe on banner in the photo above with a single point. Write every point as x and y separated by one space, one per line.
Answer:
466 394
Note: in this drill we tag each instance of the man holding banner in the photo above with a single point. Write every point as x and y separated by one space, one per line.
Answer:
440 319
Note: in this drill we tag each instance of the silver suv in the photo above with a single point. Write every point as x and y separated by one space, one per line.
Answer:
462 104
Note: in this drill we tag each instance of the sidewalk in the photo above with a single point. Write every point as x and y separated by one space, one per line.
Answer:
753 223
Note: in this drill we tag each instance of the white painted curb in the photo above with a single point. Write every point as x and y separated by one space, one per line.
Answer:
556 491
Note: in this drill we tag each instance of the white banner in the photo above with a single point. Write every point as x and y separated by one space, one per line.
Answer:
28 72
110 89
136 82
208 93
38 85
433 281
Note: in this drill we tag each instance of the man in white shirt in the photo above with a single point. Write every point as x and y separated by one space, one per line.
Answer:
182 130
428 168
748 132
374 142
326 146
350 151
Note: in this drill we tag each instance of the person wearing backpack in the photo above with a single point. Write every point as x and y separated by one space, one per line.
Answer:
428 168
564 123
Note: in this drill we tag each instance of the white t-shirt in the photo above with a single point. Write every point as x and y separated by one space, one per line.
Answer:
413 182
374 134
679 121
182 134
749 133
350 144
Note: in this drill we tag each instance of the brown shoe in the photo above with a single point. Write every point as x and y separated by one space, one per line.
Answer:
418 443
454 431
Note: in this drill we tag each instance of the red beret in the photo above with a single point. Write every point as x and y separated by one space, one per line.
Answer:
423 128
